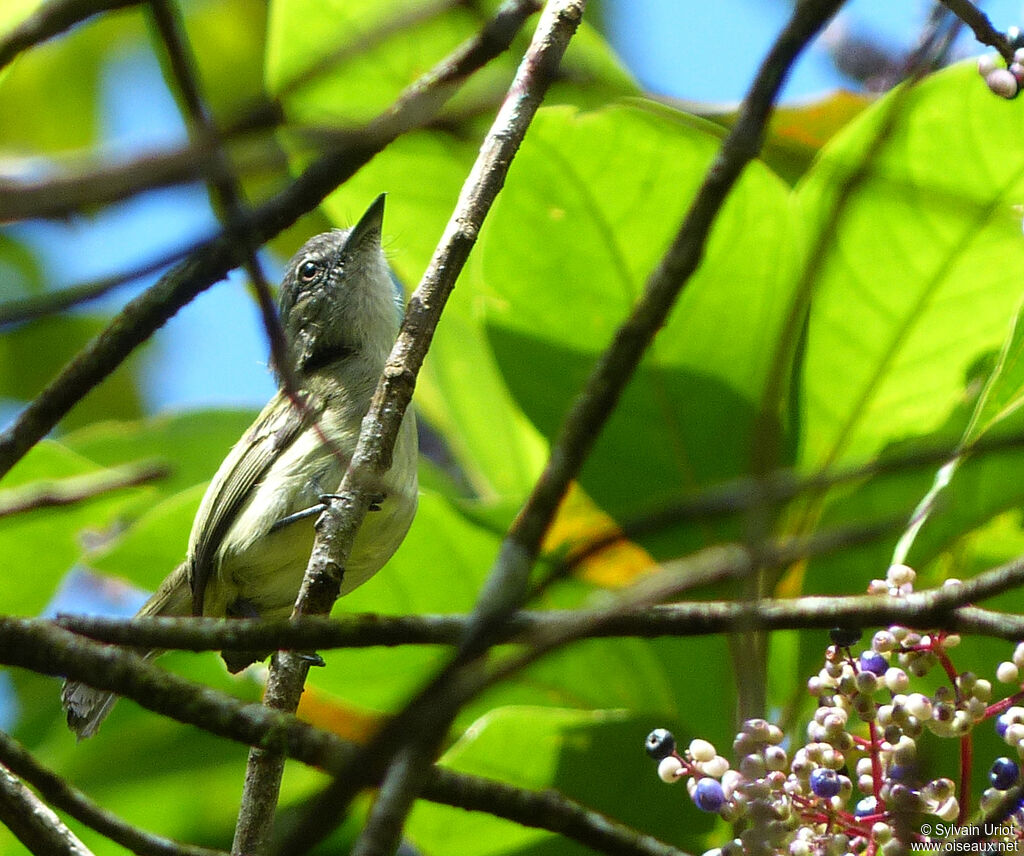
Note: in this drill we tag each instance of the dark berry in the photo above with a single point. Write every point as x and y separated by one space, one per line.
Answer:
824 782
844 637
660 744
871 661
1002 723
902 773
709 795
1003 774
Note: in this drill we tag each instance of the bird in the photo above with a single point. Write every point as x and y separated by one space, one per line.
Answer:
253 533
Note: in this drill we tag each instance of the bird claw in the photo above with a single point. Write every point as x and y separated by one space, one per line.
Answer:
375 500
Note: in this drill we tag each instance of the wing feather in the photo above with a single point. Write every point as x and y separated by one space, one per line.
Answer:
276 428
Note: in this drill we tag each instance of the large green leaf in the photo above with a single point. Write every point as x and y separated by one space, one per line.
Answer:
593 757
364 54
40 547
918 277
591 203
49 96
191 444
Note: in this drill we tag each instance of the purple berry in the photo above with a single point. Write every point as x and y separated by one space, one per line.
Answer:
660 744
824 782
709 795
1002 723
1004 774
844 637
870 661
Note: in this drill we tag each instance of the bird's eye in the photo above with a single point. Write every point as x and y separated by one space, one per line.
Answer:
308 271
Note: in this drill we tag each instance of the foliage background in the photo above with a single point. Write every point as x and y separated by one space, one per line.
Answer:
838 318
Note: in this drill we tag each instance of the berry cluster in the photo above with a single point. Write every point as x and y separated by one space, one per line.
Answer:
1005 82
855 786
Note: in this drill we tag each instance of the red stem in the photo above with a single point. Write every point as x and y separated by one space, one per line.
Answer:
966 751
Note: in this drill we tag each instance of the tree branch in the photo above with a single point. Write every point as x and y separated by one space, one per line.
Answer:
51 19
33 823
61 795
50 494
544 810
981 26
51 302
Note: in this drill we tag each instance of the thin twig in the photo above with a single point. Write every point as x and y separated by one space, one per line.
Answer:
544 810
52 302
79 187
226 194
61 795
144 315
34 823
51 19
981 26
49 494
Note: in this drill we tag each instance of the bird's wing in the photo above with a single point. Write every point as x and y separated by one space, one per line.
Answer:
274 430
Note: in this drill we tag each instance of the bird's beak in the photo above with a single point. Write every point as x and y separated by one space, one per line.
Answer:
368 227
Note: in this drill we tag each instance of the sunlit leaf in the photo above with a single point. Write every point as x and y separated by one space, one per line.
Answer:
918 277
595 758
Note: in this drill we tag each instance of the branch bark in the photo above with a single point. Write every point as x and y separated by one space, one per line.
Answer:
61 795
75 489
33 823
51 19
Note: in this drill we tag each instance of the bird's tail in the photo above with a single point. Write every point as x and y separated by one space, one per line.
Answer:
86 707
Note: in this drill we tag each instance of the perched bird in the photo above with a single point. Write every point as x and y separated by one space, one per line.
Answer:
253 533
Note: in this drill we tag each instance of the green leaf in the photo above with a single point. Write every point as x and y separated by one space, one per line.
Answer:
63 74
32 354
20 273
364 55
593 757
40 547
1003 394
918 277
192 444
591 204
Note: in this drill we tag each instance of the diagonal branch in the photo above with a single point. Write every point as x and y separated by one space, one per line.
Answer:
34 823
50 494
52 302
61 795
51 19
